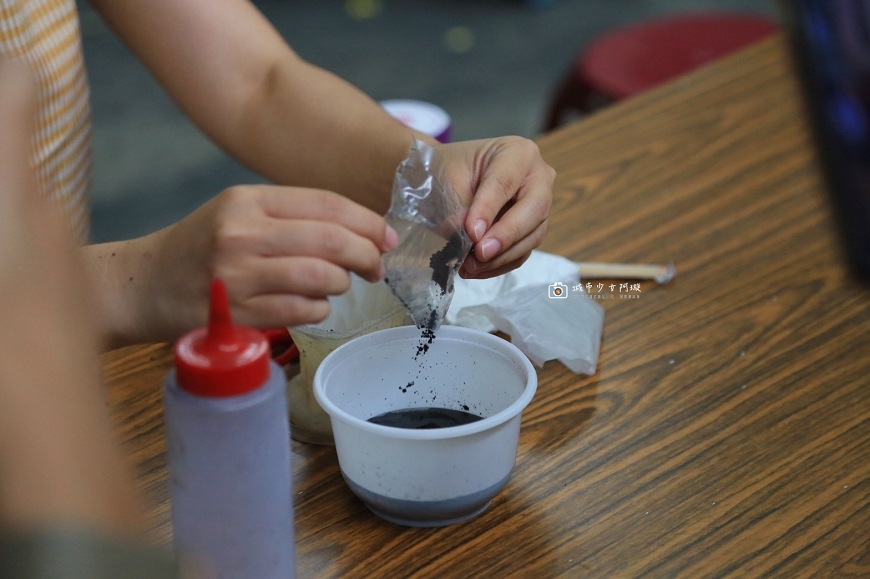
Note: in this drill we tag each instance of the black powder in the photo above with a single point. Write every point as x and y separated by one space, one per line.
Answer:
427 336
429 326
442 263
445 260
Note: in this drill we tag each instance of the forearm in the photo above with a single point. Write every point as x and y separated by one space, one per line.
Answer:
120 274
58 463
240 82
306 126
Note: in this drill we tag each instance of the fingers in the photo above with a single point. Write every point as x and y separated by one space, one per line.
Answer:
282 251
486 274
304 276
325 206
511 203
504 172
323 240
284 291
269 311
473 268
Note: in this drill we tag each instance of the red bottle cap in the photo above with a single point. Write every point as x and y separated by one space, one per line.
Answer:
222 359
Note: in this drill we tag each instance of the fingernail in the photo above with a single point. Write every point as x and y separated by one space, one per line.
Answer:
479 229
471 264
382 271
489 248
391 239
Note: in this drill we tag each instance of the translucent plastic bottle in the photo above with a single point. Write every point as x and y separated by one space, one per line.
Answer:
228 441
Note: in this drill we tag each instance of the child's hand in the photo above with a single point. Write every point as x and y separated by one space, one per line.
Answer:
280 250
511 190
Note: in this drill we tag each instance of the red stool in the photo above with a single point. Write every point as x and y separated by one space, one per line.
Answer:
629 60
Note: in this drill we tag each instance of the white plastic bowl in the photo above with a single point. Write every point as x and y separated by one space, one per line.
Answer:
435 477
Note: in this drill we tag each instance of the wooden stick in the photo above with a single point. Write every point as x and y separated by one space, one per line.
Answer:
661 273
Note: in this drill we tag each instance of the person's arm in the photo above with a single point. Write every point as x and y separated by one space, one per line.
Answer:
240 82
297 124
59 464
67 503
280 250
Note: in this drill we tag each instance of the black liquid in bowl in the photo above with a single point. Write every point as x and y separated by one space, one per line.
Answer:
425 418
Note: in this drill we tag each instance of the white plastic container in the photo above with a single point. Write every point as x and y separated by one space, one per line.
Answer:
433 477
228 443
428 118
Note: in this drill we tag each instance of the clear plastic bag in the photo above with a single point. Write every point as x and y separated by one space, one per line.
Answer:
428 215
365 307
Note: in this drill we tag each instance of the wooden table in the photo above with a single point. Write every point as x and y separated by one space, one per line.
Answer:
727 432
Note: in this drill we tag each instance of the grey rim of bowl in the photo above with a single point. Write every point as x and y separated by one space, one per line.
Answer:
515 409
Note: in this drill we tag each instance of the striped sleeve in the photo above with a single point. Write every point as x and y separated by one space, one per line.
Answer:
46 34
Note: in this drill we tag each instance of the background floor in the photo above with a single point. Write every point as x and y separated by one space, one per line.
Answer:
491 64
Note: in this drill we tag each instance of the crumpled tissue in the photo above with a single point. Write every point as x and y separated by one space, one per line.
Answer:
518 303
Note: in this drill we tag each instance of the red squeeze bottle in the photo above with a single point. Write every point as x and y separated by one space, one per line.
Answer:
228 441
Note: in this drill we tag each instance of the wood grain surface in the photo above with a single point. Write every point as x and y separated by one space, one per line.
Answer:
727 431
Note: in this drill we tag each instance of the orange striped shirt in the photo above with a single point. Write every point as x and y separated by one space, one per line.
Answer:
46 34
